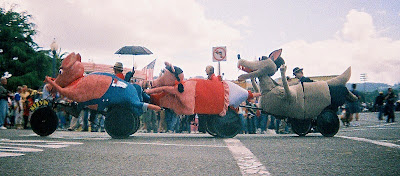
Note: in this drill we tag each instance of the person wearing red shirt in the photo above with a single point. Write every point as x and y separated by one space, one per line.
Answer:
118 68
210 73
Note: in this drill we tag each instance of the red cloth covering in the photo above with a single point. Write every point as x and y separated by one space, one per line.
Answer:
209 97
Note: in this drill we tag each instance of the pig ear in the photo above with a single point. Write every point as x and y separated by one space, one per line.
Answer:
68 61
78 57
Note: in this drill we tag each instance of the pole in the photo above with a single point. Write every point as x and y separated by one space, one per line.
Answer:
219 68
54 64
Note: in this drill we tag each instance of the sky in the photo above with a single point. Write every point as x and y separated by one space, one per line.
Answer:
323 37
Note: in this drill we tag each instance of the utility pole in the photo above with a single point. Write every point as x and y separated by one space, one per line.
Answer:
363 78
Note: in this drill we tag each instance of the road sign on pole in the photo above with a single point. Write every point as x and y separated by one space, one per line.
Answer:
219 53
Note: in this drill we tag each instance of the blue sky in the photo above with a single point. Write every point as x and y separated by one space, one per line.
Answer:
323 37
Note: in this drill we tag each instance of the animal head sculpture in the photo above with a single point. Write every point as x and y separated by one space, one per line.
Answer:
71 69
264 66
171 76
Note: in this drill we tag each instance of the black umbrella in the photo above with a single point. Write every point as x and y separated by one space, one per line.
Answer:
134 50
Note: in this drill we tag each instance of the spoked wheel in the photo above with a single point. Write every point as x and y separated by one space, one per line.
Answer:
209 124
44 121
119 122
227 126
328 123
300 127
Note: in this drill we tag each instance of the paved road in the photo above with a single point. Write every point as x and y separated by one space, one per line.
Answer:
370 149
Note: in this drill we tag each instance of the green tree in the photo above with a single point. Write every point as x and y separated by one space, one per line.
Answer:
19 54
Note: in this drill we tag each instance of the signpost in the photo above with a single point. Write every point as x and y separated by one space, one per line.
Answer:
219 54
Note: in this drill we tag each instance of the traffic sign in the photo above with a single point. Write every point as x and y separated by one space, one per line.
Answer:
219 53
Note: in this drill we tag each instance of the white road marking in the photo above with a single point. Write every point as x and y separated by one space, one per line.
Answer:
8 154
246 160
9 147
381 125
163 144
386 144
18 149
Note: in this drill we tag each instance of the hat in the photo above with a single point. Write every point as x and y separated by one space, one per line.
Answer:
297 69
118 66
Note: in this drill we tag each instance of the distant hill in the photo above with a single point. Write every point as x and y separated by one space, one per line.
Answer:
370 87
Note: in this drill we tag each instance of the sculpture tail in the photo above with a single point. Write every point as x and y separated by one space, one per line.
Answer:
341 79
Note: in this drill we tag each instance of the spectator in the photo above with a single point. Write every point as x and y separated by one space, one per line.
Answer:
185 122
390 98
378 104
11 112
251 117
118 68
346 118
4 93
171 120
27 104
24 93
18 108
242 114
354 107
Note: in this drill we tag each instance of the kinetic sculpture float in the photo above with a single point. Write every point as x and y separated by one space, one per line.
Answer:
301 103
210 99
118 100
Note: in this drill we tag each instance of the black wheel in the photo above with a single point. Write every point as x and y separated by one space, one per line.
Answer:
119 122
328 123
137 124
227 126
300 127
44 121
209 125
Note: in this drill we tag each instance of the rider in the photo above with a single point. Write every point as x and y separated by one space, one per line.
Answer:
298 73
210 73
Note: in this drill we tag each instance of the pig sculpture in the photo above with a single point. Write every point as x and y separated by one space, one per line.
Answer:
103 92
211 99
301 103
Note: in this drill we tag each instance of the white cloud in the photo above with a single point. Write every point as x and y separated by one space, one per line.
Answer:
244 21
175 31
357 45
359 26
178 31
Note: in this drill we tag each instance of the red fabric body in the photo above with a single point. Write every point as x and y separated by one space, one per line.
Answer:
209 97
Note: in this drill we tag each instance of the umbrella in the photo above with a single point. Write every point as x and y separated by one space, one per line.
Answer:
134 50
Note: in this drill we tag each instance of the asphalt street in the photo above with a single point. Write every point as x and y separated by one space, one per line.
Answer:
373 148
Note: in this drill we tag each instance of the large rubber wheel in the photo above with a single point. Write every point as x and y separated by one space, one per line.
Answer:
137 124
328 123
227 126
209 124
300 127
44 121
119 122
